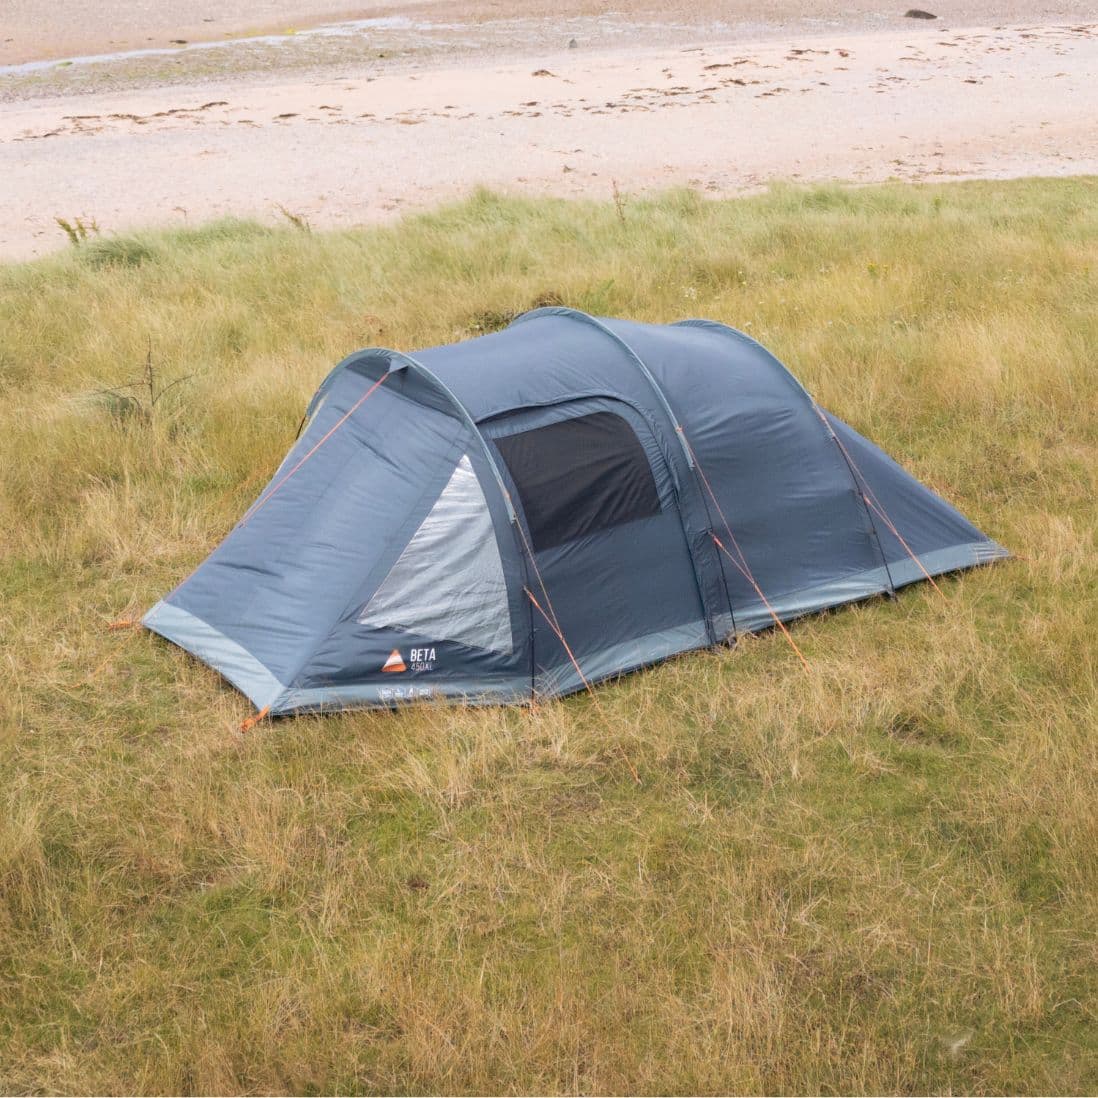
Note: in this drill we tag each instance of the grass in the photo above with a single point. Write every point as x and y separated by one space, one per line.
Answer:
876 877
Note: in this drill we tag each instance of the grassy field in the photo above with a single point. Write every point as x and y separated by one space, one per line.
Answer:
877 876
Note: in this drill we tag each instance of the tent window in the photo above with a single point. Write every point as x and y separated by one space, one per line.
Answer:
448 583
580 476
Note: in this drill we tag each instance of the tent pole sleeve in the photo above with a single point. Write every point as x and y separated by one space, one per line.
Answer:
861 494
586 318
433 378
680 434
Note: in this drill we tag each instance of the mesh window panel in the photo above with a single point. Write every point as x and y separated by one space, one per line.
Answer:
580 476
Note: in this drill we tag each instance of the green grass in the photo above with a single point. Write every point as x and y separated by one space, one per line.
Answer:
879 876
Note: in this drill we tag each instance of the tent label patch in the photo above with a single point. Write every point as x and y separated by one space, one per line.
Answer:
419 659
404 693
422 659
395 663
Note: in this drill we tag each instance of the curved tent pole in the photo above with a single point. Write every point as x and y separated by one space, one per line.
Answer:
353 358
680 433
401 361
397 361
743 337
587 318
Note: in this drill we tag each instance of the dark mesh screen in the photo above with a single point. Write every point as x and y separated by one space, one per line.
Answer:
579 476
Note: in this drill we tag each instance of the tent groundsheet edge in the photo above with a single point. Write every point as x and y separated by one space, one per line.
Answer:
232 661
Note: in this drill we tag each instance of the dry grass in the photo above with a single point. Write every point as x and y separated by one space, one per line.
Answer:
877 877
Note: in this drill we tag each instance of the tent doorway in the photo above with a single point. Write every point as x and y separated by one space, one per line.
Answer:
597 501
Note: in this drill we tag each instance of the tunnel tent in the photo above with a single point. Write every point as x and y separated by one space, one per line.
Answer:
525 513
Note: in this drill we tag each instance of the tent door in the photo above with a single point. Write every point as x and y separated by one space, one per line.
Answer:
600 515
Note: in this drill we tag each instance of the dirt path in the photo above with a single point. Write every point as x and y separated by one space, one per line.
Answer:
923 102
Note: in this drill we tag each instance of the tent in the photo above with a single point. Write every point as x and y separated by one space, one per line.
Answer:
534 510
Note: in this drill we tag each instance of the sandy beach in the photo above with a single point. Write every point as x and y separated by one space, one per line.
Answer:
325 127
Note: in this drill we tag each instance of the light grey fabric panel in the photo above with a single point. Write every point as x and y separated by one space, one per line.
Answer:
225 656
448 582
512 690
952 559
753 616
616 659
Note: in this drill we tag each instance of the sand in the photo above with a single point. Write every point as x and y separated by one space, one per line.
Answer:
681 102
35 29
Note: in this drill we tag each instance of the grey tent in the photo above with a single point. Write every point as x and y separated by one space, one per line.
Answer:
546 506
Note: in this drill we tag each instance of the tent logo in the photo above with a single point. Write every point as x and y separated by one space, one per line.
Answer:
422 659
395 663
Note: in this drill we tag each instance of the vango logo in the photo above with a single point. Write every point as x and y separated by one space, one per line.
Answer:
395 663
